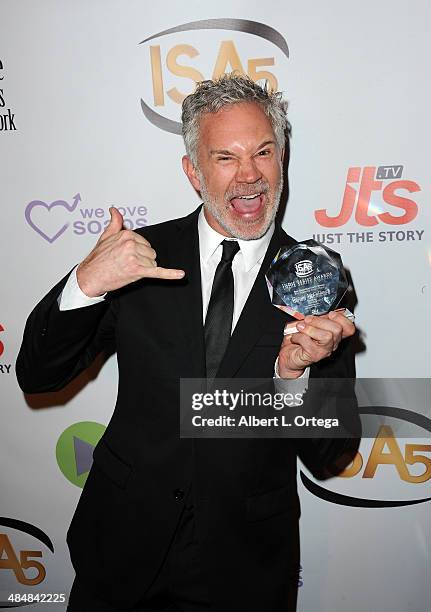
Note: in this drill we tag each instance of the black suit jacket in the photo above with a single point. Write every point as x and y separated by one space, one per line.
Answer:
245 495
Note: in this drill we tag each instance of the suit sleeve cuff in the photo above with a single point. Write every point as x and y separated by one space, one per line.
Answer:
72 297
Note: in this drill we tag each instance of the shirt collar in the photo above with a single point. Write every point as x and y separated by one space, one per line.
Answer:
252 250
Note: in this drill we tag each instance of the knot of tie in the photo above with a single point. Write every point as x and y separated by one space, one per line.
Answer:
230 249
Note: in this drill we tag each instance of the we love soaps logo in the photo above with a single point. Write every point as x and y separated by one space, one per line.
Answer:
43 217
52 219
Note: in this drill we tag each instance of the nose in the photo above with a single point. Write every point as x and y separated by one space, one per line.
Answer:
248 172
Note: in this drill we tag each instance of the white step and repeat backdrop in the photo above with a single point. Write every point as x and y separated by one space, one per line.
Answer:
90 97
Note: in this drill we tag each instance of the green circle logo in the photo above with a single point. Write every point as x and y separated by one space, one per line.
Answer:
74 450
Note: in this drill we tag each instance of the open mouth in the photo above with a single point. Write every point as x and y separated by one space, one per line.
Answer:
248 204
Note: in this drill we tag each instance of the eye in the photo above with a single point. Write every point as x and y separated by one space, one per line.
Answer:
224 158
264 153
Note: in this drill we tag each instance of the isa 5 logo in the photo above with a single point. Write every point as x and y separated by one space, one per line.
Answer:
26 557
179 57
392 469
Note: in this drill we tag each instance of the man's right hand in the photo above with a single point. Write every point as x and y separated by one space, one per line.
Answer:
119 258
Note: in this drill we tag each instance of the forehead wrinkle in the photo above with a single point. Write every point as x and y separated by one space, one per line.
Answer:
221 151
234 131
229 152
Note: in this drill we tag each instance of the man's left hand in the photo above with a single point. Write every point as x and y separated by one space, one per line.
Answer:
317 338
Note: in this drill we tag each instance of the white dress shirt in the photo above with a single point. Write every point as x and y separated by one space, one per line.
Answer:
245 267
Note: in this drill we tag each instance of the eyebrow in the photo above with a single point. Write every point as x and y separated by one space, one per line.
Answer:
227 152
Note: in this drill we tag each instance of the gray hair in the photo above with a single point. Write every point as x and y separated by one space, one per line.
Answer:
212 95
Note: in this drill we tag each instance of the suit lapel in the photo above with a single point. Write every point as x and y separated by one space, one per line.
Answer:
188 307
254 315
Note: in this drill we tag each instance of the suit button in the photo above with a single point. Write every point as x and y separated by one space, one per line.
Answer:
178 494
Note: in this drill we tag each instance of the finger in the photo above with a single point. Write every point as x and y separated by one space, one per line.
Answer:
144 251
144 263
311 351
127 235
321 335
323 322
140 239
290 328
165 273
347 325
305 350
285 341
115 224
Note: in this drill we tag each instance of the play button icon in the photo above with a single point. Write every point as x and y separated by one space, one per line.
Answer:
83 455
75 448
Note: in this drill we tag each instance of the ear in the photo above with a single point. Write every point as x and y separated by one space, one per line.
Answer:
191 173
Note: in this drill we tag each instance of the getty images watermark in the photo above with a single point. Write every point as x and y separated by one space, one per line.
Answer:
265 408
241 400
222 398
304 408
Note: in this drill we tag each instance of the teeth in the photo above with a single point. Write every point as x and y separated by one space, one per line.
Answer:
249 197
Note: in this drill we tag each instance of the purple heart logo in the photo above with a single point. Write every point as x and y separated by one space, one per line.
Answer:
48 207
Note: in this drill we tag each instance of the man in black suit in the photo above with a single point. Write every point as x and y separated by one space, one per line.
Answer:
165 523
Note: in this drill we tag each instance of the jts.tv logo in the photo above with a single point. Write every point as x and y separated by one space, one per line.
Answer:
5 368
368 193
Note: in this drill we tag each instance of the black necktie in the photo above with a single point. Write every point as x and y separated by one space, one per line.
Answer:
218 322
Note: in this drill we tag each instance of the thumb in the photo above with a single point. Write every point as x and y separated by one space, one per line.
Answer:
115 224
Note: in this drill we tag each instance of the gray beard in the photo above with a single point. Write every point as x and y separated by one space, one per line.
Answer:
211 206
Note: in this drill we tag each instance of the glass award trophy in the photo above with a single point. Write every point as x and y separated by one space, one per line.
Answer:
305 279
